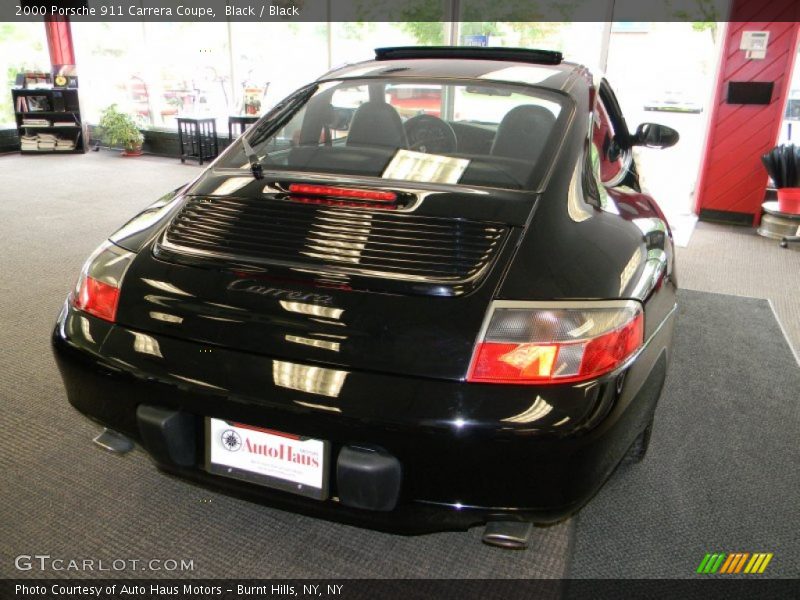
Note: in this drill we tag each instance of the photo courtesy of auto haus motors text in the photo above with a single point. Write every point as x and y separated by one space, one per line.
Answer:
414 299
183 590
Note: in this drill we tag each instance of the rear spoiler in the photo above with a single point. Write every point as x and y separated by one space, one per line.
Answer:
541 57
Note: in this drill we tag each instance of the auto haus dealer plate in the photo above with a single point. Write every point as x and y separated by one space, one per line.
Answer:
271 458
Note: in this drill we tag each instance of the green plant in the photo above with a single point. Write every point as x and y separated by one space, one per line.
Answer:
119 129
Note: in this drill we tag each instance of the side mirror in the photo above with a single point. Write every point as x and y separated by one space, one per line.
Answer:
653 135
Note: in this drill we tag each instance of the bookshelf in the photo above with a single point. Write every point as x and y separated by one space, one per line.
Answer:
49 121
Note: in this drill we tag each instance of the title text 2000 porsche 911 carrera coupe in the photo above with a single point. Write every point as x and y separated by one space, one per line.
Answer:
409 316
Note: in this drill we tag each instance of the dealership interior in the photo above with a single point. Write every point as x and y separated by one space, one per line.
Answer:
129 111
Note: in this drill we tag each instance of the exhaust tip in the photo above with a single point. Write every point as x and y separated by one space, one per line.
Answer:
113 441
512 535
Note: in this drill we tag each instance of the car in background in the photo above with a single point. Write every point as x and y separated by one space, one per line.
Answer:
674 101
456 318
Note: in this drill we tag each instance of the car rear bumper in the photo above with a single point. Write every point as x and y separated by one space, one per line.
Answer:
469 453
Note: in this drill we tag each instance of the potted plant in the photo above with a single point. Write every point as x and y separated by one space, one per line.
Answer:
119 129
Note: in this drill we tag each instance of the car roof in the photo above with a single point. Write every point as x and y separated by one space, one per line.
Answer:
560 76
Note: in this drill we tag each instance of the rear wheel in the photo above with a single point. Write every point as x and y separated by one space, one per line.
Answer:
638 449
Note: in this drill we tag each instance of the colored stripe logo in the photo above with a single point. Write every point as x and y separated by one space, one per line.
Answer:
734 562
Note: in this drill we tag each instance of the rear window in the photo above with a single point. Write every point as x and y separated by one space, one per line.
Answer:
480 134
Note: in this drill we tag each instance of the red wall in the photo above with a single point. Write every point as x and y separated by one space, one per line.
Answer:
732 177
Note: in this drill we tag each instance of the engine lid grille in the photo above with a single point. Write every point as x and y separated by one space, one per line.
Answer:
368 243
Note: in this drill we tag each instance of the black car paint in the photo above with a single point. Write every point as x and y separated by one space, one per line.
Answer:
403 357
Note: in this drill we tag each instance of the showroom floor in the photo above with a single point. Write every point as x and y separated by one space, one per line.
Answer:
55 210
737 261
723 464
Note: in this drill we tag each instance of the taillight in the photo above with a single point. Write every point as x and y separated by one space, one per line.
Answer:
97 298
341 192
97 290
555 342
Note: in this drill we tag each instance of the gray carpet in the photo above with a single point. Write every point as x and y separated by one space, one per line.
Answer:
723 469
735 260
64 497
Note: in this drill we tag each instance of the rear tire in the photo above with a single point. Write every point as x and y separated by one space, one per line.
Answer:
638 449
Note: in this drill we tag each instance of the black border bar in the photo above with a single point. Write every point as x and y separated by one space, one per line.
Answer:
705 587
393 10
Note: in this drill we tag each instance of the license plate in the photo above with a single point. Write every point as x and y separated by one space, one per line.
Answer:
271 458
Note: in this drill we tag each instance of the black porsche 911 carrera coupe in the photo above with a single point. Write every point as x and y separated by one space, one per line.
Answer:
413 316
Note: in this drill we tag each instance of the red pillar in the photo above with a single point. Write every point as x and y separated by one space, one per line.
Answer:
59 41
732 178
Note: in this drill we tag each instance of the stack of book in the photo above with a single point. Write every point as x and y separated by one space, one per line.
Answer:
65 145
29 142
47 141
32 122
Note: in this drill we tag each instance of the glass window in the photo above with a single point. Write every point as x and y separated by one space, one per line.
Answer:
595 184
674 88
271 60
187 70
110 68
485 134
579 41
345 101
23 47
154 71
356 42
790 128
609 159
